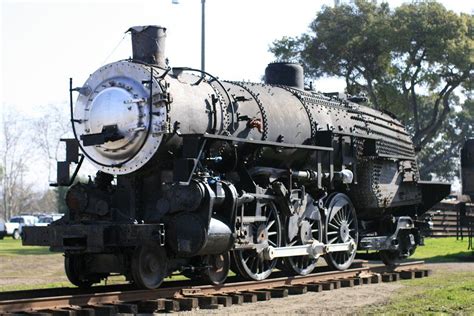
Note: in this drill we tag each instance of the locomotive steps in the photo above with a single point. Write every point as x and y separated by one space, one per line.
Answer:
188 296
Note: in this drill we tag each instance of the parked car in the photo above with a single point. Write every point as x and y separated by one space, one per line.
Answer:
46 219
15 224
3 231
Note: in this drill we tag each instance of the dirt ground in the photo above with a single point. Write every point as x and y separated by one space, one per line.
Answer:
337 302
31 270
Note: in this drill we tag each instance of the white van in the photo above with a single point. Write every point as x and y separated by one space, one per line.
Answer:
15 224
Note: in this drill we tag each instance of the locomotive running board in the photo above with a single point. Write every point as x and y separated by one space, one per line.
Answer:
314 250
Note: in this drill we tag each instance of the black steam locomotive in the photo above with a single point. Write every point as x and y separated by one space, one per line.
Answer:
201 176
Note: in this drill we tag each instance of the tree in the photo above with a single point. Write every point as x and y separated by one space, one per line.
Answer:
16 192
49 128
433 49
413 61
30 145
456 128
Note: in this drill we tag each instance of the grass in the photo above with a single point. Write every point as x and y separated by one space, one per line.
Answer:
446 292
443 250
12 247
23 287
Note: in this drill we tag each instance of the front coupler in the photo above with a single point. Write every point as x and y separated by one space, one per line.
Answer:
92 238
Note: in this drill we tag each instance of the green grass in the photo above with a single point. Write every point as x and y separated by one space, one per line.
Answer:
23 287
443 293
447 292
12 247
443 250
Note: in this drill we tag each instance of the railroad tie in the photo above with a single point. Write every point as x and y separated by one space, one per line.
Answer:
249 297
368 280
419 273
151 306
407 274
390 277
261 295
296 289
187 303
396 276
376 278
223 300
328 286
314 287
347 283
125 308
207 302
105 310
387 277
422 273
171 305
357 281
237 299
279 292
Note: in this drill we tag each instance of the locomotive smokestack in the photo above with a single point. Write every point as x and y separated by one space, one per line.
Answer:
148 44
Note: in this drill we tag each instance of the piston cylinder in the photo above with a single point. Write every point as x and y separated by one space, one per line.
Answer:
189 236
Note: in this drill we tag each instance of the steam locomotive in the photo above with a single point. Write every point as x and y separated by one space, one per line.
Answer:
200 176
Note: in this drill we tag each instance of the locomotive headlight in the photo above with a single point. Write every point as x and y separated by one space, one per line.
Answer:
118 131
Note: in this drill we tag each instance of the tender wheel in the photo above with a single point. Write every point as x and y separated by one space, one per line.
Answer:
74 266
16 234
219 266
149 266
310 228
341 227
249 263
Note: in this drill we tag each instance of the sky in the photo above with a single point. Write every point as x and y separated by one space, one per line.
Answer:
44 43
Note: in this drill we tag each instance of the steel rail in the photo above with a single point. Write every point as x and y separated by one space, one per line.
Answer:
20 304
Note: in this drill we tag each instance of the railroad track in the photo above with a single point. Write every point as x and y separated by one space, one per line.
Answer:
181 295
